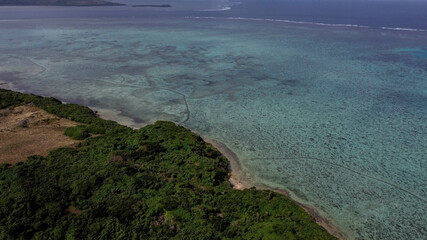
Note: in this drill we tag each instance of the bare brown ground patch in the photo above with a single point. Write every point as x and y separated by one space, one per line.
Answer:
72 210
28 130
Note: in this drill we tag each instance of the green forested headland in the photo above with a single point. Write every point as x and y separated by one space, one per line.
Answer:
158 182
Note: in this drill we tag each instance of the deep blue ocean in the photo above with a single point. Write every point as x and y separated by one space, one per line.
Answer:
392 14
409 14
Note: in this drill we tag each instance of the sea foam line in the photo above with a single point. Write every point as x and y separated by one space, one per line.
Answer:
309 23
280 20
215 9
405 29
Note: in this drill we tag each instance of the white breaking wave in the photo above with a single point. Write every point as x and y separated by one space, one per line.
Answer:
309 23
405 29
280 20
216 9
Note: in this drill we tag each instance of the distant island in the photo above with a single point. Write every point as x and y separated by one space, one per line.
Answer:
58 3
152 5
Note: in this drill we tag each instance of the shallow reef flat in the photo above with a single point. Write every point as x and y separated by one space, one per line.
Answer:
158 182
336 116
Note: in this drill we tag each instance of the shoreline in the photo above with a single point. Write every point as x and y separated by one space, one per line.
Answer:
238 181
236 177
116 115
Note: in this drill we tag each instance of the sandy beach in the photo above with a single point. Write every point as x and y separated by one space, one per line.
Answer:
236 176
239 182
115 115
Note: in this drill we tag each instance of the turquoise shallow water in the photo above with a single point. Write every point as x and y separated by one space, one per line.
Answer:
337 116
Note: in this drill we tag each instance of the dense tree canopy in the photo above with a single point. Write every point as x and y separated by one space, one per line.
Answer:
158 182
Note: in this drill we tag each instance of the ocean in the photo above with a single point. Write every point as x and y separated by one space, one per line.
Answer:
324 99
